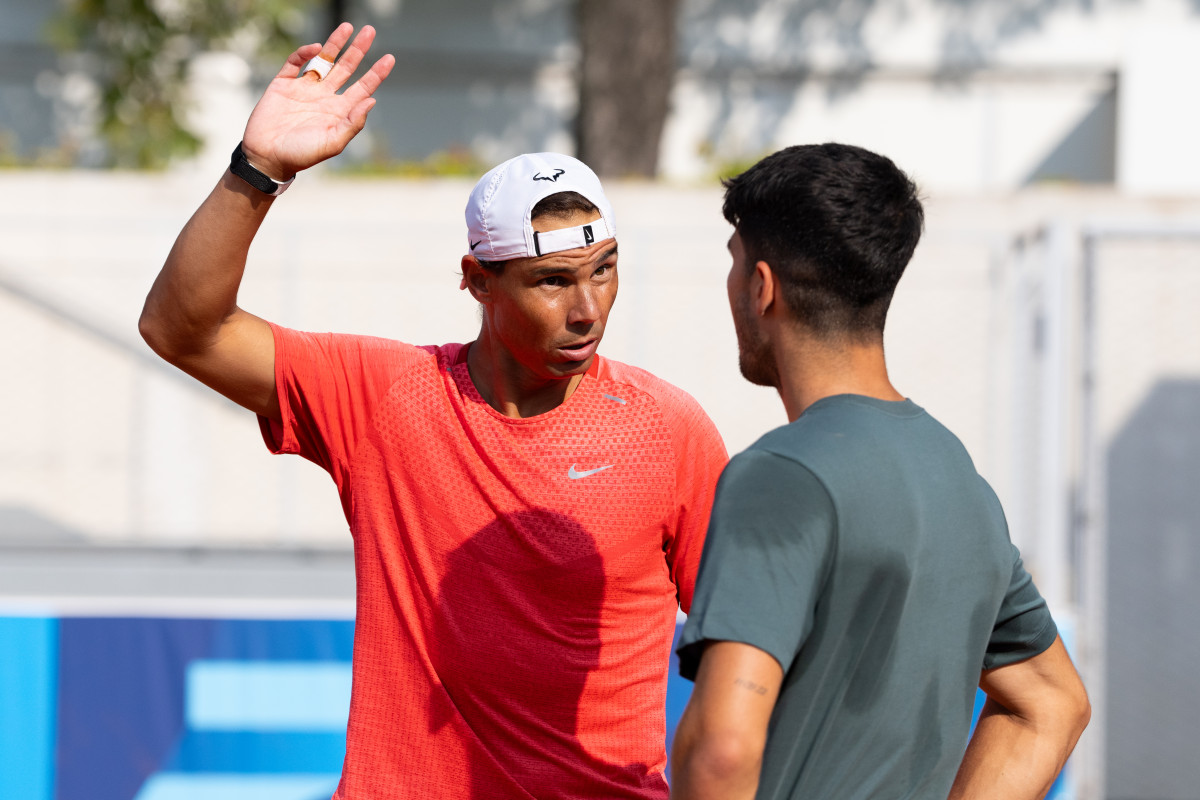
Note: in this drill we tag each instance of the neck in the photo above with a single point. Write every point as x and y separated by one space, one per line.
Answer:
509 387
811 369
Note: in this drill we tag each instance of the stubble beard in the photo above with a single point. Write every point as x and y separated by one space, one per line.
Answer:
755 359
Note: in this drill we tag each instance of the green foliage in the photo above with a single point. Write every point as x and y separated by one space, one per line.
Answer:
723 170
455 162
139 52
723 167
11 156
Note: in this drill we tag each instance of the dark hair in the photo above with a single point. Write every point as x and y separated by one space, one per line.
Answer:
562 204
837 224
559 204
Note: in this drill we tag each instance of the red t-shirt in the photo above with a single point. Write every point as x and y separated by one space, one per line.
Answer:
518 579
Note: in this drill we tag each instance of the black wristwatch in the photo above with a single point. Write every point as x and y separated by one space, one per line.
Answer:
239 166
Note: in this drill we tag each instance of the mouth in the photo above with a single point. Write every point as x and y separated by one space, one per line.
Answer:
579 351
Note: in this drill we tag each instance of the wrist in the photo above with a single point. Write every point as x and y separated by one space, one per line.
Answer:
265 164
262 177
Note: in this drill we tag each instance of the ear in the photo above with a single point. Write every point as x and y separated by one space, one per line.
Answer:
763 287
476 279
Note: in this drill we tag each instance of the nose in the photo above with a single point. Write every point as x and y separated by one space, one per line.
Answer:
586 306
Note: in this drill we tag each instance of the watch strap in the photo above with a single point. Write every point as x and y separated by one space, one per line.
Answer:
240 166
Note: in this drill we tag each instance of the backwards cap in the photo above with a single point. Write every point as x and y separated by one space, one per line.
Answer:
499 211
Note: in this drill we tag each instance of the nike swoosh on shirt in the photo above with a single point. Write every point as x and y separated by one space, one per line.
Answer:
575 474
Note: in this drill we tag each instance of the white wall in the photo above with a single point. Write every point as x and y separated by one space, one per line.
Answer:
100 440
969 95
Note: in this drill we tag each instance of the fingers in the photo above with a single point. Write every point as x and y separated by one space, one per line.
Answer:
352 57
329 51
291 67
368 83
337 40
344 67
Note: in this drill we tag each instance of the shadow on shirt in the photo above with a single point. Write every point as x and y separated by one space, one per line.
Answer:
516 635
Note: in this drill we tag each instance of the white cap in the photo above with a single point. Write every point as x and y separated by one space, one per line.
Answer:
499 221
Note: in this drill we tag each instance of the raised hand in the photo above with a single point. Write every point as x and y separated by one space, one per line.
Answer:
302 120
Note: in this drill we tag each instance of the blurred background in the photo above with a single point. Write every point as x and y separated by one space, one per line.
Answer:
176 606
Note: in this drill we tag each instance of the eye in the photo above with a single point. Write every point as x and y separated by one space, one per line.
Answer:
553 280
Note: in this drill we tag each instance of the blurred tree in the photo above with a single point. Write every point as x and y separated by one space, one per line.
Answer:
627 69
139 52
336 12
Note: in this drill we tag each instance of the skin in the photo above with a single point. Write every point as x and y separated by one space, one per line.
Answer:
536 311
754 349
1034 715
1036 709
719 742
776 350
542 321
191 317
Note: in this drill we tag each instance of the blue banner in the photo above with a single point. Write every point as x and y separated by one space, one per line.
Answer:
183 709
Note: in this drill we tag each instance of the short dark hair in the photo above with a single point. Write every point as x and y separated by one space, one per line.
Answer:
559 204
562 204
837 224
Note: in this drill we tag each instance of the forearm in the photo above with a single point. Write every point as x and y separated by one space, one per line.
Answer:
196 290
1012 758
719 742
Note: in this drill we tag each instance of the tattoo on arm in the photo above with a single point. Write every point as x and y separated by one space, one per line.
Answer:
750 686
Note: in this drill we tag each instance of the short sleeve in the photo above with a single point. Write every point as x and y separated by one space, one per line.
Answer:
769 546
328 386
700 456
1024 627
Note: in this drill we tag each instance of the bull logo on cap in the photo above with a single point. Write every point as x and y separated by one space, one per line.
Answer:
540 177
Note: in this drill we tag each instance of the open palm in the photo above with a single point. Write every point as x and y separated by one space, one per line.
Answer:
302 120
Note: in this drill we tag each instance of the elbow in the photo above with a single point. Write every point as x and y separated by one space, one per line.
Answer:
1075 708
153 332
1068 715
1082 710
735 760
168 333
147 328
724 760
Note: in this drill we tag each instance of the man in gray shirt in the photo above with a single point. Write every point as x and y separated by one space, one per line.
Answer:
858 581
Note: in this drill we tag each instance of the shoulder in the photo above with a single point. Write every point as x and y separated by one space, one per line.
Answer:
351 349
697 443
776 502
672 401
848 428
690 427
761 469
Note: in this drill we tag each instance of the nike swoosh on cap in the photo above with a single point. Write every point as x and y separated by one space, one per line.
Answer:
575 474
476 244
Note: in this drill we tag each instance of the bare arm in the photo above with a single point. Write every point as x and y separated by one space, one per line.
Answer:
720 739
191 317
1035 712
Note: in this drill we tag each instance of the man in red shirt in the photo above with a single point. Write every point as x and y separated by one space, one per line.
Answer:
527 516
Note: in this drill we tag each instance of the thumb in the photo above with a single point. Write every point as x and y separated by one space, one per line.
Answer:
358 115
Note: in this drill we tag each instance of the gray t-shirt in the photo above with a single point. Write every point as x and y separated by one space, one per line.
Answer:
859 547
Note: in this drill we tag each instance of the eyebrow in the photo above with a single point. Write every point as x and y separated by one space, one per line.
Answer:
541 272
